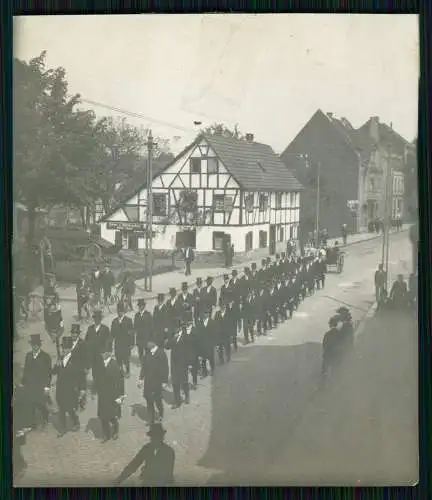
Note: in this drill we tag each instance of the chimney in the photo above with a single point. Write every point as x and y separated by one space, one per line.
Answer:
330 115
249 138
374 128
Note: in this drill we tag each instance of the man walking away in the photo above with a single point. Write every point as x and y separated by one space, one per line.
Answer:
96 338
153 374
207 342
223 334
36 379
122 333
179 364
111 393
158 458
380 282
399 293
331 354
108 281
70 386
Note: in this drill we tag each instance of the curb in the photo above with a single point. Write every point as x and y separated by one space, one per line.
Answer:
363 321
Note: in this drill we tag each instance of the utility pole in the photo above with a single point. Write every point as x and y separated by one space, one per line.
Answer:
387 207
149 231
317 215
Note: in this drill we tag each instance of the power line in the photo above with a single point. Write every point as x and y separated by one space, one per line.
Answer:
136 115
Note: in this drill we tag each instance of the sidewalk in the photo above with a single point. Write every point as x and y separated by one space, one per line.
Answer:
162 282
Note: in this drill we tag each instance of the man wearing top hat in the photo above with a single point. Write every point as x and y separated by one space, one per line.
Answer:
224 333
209 295
174 311
143 327
254 278
261 307
160 317
232 321
36 379
111 393
158 459
207 341
235 286
96 338
347 331
249 317
198 304
179 363
245 284
122 332
153 374
79 348
331 347
191 344
185 297
224 291
70 386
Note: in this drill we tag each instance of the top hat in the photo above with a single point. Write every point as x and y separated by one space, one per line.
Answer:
76 328
172 291
35 339
234 272
67 342
185 284
199 280
209 279
156 430
141 302
160 296
97 313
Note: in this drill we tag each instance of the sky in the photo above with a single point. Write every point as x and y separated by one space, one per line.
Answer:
268 72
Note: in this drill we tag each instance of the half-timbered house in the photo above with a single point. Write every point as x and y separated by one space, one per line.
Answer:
217 190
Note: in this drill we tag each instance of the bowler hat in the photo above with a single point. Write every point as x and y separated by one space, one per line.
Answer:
343 310
156 430
67 342
76 328
35 339
141 302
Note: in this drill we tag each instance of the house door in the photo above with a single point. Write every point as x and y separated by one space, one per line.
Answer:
132 241
118 239
272 239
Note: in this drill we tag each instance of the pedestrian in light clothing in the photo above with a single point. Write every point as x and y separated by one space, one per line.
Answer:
36 379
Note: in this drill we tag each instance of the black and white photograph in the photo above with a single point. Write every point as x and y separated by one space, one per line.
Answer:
215 239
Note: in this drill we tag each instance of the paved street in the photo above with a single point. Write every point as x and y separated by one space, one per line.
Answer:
261 419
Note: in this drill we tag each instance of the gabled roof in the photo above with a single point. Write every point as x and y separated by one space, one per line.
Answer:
387 137
253 165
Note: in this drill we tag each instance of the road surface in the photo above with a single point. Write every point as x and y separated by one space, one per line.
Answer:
261 419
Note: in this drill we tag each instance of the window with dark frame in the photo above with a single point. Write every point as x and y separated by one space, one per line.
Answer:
278 200
195 165
219 202
212 165
281 233
263 202
249 200
263 239
159 204
218 240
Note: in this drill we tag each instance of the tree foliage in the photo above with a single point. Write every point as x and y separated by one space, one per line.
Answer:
223 130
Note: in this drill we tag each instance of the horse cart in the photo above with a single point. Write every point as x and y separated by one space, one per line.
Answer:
334 260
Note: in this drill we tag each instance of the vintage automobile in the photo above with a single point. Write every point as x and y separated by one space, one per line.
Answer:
335 259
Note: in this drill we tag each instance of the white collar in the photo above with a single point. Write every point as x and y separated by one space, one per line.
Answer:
209 286
75 343
106 361
120 319
154 349
173 301
36 354
97 327
142 312
185 294
66 359
206 321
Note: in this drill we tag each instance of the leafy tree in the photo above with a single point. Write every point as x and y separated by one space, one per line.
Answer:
53 143
221 129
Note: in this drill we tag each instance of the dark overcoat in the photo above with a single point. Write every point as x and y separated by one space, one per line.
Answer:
123 334
70 381
206 338
144 328
37 375
154 371
179 357
110 387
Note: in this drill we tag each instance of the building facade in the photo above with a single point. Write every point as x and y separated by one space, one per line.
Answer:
217 191
352 167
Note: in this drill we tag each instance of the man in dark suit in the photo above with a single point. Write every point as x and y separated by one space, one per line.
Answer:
185 297
70 386
179 364
210 295
198 295
246 284
79 347
223 333
189 257
143 327
254 278
153 374
206 339
96 338
158 460
111 393
261 311
122 332
232 321
249 316
191 344
224 291
160 317
36 379
174 311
